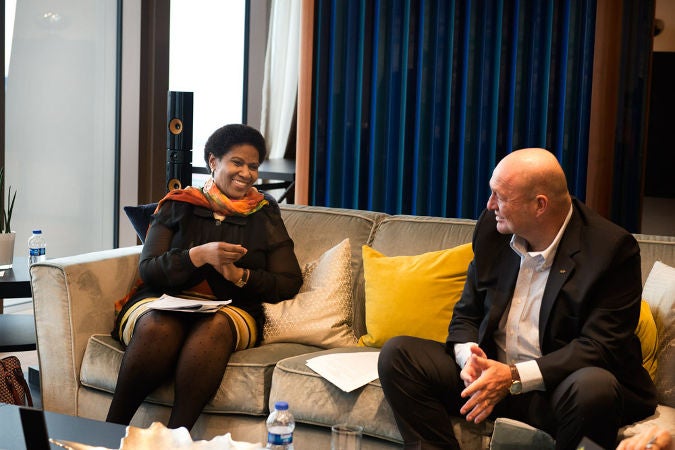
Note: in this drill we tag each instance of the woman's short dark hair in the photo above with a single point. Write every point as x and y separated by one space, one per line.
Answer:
224 138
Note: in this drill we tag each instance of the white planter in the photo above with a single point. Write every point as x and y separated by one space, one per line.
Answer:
7 249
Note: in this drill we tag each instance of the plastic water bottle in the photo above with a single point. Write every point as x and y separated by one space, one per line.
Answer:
280 426
37 247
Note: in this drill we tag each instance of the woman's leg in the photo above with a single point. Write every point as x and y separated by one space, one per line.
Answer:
201 366
149 360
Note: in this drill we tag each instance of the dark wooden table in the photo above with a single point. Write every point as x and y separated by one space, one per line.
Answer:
60 427
17 331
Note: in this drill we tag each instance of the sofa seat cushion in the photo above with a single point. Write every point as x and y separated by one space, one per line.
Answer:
245 387
316 401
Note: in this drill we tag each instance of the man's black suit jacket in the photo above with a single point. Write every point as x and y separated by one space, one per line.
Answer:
590 305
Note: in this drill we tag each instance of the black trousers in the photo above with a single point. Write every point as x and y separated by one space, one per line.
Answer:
422 385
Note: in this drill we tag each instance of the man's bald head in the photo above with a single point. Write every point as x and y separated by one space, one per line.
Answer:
529 195
535 171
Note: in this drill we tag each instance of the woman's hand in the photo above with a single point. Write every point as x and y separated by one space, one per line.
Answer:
217 254
654 439
231 272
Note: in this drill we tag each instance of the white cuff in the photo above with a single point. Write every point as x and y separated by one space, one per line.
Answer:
462 353
530 376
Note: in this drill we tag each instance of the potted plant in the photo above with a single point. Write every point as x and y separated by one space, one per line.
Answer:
7 236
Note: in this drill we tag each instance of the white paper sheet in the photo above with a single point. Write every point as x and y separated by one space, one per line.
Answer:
167 302
348 371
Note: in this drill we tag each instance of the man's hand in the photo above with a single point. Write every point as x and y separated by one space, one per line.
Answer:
471 371
487 390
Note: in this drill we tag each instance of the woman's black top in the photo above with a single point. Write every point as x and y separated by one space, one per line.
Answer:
165 265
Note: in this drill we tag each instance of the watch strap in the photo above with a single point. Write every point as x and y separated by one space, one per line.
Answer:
515 375
243 280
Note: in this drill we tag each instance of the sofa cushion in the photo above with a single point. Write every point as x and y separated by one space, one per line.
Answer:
321 313
140 217
315 228
315 400
648 334
659 291
412 295
244 389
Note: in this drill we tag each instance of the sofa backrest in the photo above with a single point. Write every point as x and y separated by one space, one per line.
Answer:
655 248
316 229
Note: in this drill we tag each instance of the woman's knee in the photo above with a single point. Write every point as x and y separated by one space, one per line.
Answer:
158 324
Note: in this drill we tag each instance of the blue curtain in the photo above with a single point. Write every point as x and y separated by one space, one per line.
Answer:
414 102
633 94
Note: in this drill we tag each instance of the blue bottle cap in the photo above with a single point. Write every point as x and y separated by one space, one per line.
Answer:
281 406
37 231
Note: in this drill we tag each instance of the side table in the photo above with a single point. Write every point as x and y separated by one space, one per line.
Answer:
17 331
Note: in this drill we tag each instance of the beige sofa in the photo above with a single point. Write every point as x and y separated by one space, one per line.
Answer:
79 362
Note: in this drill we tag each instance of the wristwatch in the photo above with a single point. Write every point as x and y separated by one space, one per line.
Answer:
516 386
243 280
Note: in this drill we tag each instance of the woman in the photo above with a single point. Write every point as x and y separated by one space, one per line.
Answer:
223 241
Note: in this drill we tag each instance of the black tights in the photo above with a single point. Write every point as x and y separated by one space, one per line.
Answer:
194 348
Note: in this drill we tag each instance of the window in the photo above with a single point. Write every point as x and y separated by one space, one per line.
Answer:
206 57
61 121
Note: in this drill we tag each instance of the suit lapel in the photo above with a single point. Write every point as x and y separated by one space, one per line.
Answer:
508 274
562 269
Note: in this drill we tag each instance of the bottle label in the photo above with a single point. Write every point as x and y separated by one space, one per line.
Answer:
279 439
37 251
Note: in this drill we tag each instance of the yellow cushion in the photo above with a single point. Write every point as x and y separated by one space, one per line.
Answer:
412 295
649 339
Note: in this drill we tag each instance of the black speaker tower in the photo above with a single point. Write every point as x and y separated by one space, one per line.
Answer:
179 140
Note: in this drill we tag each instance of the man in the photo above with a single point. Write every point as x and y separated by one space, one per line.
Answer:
544 331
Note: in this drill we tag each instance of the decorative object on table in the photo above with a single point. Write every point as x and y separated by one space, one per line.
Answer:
159 436
7 236
13 386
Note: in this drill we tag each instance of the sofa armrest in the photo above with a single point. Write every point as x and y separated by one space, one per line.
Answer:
73 298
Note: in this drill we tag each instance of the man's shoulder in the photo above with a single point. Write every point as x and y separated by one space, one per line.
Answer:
596 235
591 222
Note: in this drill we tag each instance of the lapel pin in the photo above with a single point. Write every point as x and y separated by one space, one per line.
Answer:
562 271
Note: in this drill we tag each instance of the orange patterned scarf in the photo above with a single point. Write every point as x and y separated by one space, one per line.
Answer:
212 198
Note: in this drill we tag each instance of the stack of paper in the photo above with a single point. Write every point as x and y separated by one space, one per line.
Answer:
348 371
170 303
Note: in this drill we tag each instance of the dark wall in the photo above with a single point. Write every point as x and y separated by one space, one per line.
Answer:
661 140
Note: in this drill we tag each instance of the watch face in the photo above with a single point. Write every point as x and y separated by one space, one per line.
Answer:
516 387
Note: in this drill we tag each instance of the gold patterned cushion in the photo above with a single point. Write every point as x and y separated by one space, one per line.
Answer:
321 313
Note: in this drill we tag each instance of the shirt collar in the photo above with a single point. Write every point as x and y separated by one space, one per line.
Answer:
544 257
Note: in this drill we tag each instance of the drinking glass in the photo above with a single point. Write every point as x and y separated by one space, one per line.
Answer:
346 437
